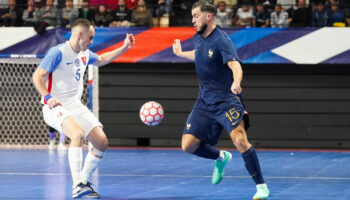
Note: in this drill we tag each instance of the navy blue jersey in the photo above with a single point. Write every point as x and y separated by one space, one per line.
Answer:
211 57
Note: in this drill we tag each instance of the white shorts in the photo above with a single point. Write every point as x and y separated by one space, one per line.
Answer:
55 116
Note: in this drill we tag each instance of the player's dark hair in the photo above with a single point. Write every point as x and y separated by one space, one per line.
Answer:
82 22
205 6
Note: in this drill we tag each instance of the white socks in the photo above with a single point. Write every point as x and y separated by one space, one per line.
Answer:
221 156
75 158
90 164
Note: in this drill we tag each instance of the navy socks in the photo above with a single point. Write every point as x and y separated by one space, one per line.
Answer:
207 151
252 164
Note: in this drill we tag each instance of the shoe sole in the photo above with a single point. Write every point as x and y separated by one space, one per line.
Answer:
83 194
88 197
92 197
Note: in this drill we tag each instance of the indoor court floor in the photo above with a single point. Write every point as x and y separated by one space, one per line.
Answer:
170 174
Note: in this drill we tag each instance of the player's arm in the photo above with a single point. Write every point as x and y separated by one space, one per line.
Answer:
39 83
111 55
178 51
237 72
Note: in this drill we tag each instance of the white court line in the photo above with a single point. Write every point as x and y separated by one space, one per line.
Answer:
177 176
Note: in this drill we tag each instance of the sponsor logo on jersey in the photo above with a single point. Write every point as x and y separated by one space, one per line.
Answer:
68 63
234 123
210 53
84 60
77 62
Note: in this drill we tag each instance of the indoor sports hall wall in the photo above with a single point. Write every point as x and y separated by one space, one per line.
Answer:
290 106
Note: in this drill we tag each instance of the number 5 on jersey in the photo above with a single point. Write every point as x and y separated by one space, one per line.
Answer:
77 75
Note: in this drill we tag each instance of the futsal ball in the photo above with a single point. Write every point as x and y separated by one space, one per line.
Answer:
151 113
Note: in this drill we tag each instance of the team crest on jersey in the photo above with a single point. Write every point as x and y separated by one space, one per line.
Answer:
77 62
188 126
84 60
210 53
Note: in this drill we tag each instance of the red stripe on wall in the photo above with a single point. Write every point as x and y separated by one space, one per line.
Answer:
150 42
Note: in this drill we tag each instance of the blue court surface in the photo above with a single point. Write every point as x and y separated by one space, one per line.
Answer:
160 174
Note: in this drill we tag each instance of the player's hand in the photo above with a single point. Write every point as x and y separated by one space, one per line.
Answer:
177 47
52 102
236 89
129 40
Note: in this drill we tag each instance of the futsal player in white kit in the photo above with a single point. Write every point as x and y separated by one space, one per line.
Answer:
59 79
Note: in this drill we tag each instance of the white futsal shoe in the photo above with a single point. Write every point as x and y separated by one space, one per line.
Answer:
81 190
262 192
93 194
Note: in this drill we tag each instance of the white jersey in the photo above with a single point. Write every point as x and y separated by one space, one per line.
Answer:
67 68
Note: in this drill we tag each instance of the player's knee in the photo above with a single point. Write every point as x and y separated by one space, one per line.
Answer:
188 147
101 144
241 143
104 144
184 147
78 136
240 139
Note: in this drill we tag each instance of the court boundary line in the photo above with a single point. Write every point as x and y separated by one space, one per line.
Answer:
172 176
34 147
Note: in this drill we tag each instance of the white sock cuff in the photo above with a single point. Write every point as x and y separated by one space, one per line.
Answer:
221 156
97 152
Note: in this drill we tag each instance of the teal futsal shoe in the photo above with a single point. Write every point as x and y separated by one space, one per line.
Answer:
218 173
262 192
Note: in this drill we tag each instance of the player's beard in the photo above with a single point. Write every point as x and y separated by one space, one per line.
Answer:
202 30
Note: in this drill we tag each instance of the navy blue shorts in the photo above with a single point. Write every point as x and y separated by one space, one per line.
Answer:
207 124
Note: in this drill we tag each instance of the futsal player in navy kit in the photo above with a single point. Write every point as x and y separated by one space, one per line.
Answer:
218 105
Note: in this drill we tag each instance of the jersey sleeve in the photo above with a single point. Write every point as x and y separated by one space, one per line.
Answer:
227 50
51 59
92 57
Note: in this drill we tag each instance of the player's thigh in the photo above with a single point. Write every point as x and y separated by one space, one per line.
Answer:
98 138
201 124
87 120
72 128
239 134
